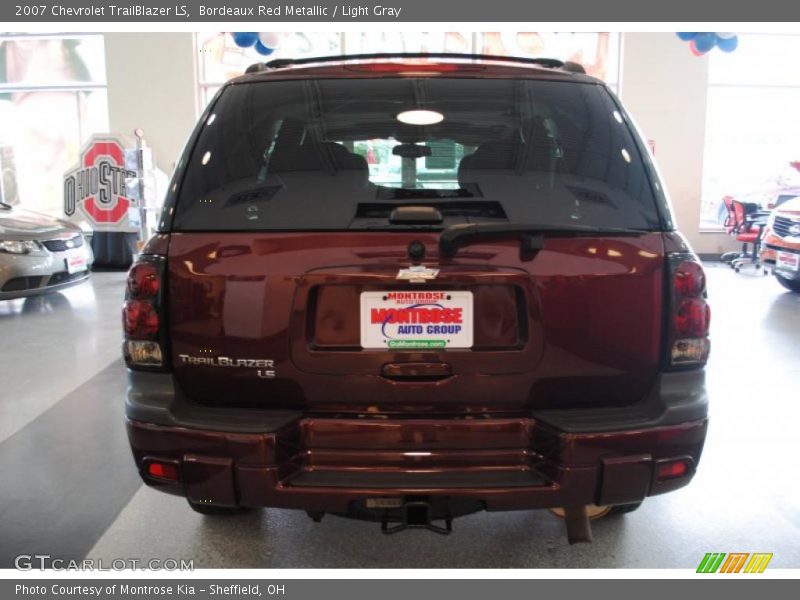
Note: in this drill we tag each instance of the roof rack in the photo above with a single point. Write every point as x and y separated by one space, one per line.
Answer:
281 63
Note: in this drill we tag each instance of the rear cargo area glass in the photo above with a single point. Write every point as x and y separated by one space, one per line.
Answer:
340 154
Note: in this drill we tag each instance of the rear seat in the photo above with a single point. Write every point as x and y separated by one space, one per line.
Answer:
324 181
312 157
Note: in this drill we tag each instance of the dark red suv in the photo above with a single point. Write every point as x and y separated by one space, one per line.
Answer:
411 287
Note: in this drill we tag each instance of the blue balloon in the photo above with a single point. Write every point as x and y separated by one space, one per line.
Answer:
245 39
686 35
263 50
728 44
705 42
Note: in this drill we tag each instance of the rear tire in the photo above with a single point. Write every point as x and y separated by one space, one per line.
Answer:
600 512
210 509
622 509
793 285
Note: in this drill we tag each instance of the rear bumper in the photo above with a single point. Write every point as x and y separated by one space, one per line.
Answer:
64 281
521 464
289 460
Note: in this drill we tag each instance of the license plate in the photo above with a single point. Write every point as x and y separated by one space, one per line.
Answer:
76 262
399 320
787 261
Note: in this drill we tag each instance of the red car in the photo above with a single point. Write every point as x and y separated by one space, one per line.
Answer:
495 312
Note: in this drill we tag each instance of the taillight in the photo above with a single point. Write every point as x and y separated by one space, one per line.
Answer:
691 316
690 280
672 469
412 67
163 470
142 319
139 319
143 280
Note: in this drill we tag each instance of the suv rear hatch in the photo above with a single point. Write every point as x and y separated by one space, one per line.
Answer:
307 269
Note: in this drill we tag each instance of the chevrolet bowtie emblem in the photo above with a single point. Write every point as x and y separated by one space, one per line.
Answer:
417 274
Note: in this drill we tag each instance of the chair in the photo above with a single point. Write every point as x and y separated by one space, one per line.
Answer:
727 257
745 223
729 218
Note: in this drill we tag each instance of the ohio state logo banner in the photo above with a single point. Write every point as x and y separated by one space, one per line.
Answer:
95 189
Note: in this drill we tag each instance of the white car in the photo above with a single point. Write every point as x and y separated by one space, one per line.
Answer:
780 245
39 254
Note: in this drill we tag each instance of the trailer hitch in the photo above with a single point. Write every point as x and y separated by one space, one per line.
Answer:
417 515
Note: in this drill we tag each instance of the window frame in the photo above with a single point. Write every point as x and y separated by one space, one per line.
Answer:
84 123
743 84
87 86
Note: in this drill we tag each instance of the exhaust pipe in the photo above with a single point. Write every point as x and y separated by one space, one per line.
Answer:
577 522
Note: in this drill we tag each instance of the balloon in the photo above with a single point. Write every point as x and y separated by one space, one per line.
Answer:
725 36
705 42
270 39
245 39
263 50
728 44
694 49
686 36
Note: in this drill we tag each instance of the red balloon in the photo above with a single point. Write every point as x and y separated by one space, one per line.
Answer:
694 49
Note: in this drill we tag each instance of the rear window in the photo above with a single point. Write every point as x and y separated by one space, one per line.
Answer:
343 154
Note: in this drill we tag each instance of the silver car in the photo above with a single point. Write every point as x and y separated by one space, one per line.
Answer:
39 254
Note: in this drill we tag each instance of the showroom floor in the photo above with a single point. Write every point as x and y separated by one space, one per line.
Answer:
69 488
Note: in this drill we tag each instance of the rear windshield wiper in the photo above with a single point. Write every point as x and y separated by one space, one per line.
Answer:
531 236
5 205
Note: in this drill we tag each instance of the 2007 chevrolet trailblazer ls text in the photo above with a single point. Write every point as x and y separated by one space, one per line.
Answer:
411 287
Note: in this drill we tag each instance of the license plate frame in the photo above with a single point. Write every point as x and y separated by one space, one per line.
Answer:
787 261
397 320
76 262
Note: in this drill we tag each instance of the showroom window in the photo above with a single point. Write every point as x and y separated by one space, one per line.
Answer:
52 98
220 58
752 125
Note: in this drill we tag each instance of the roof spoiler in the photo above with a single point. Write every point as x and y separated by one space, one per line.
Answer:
548 63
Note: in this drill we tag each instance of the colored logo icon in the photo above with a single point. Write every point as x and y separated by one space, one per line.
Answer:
734 562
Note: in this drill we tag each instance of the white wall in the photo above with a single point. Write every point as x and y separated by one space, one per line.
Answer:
664 88
152 85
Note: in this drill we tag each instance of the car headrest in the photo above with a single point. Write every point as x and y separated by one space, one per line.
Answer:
505 156
318 157
533 154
